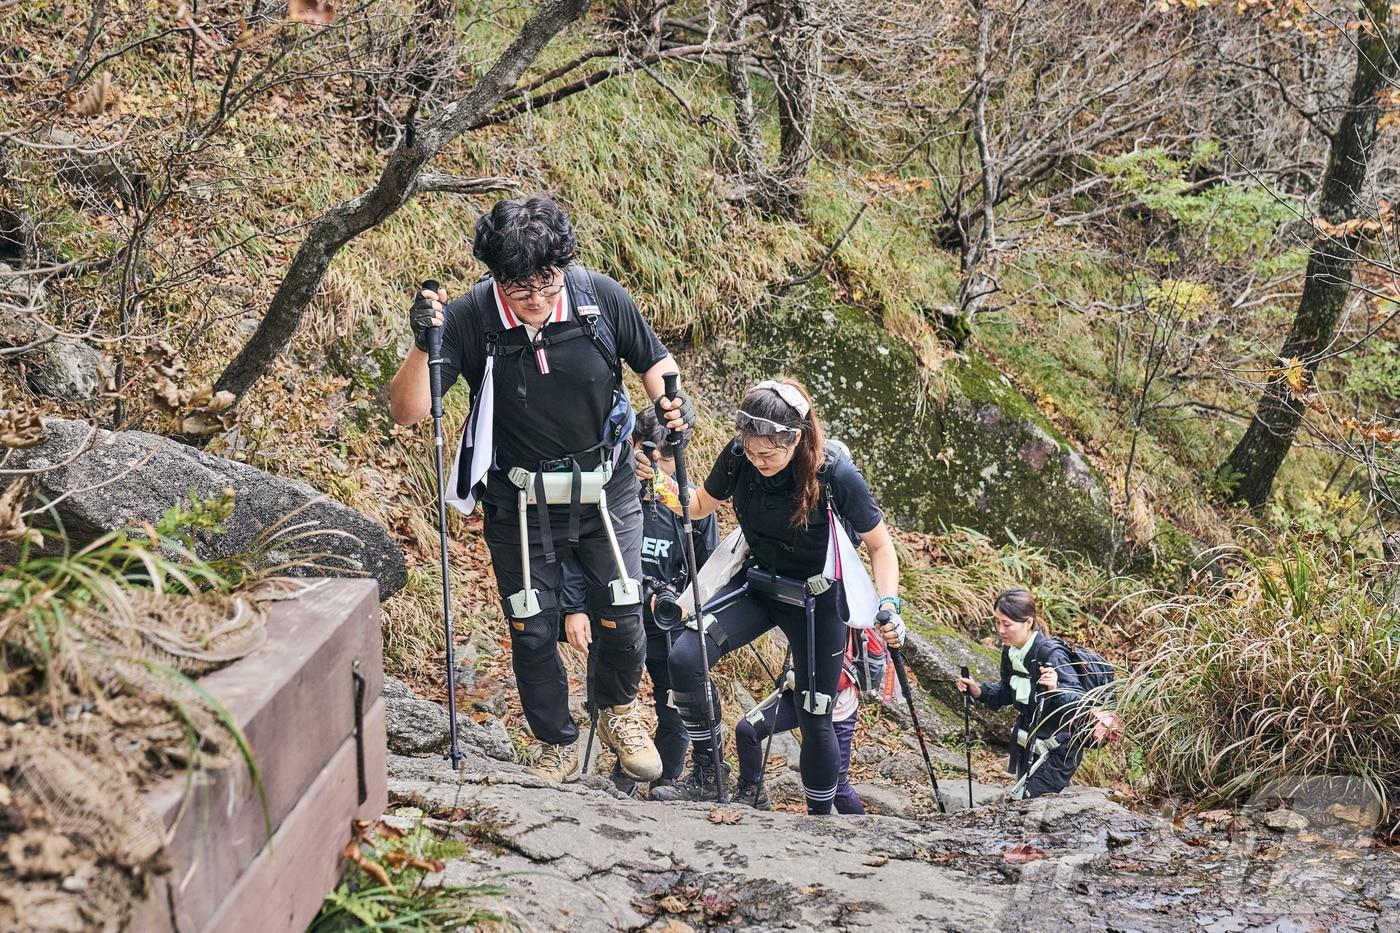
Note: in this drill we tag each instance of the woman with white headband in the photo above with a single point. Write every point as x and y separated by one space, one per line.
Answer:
795 497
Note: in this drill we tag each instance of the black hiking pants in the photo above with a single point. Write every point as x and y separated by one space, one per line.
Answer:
1055 774
735 626
619 641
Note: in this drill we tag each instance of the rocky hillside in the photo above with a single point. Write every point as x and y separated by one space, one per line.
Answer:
583 857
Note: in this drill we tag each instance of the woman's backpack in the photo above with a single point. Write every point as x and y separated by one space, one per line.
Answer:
1090 721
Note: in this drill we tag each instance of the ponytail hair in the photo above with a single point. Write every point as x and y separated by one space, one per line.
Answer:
770 405
1018 605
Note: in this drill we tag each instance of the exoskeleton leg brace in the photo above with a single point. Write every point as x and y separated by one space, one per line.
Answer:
574 489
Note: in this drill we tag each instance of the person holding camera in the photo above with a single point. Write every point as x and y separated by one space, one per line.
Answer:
541 342
664 576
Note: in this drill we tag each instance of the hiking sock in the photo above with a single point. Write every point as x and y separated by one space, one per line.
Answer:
819 800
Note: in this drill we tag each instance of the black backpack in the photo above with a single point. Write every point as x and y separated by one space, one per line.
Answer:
1096 674
1092 669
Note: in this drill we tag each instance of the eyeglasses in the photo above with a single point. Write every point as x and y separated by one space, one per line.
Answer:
753 424
768 456
526 292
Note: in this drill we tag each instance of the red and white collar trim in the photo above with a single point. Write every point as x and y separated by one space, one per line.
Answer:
509 318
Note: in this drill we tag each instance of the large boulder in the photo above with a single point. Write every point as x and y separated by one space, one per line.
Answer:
960 447
102 480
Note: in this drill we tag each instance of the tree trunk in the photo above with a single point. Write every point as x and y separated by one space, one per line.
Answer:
753 165
398 183
776 190
1255 461
798 45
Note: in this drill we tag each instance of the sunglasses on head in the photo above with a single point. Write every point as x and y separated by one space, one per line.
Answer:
753 424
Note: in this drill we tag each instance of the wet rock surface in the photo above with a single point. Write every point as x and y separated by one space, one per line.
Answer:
583 858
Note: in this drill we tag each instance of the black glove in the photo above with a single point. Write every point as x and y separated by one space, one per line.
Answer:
420 318
687 411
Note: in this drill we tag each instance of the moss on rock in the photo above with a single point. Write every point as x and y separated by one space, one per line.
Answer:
981 455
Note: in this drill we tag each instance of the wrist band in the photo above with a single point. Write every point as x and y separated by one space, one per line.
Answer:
898 603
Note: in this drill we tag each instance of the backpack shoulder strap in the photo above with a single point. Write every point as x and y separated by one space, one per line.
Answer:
482 303
590 316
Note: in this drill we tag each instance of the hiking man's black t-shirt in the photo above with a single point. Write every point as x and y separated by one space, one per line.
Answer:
552 396
764 506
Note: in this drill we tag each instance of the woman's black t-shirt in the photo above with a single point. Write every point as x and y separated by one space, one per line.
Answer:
764 505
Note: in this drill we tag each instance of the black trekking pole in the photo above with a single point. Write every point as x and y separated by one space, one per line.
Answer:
677 441
768 747
967 734
592 709
881 618
435 362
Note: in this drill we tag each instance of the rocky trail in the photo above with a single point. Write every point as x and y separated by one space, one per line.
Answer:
583 857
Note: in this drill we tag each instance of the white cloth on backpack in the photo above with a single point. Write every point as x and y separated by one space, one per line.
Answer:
482 442
844 564
726 561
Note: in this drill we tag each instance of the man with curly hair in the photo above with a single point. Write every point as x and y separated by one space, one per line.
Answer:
540 341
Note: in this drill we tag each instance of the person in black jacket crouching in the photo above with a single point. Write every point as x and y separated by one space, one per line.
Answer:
1039 680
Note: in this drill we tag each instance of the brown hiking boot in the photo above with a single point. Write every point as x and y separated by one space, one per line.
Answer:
558 763
623 729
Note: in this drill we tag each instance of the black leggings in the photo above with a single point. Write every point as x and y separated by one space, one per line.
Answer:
740 623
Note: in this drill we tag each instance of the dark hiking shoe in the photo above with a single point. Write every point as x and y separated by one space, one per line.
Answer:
664 789
754 795
623 781
702 783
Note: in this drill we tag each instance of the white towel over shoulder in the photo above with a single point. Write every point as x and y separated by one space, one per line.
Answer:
477 436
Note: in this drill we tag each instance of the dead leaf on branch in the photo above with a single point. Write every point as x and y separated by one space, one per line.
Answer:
21 430
368 866
12 526
100 98
399 860
1295 377
315 12
167 395
165 359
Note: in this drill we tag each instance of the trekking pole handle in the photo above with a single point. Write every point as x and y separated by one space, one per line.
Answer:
881 617
672 383
434 352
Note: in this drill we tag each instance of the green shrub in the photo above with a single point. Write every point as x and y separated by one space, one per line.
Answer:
1289 669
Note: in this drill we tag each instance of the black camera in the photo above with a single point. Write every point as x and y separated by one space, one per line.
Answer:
666 611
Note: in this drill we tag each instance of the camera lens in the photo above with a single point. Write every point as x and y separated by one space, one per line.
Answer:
666 612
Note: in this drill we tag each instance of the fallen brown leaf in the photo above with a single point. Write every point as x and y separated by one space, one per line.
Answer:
673 904
1021 854
724 817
